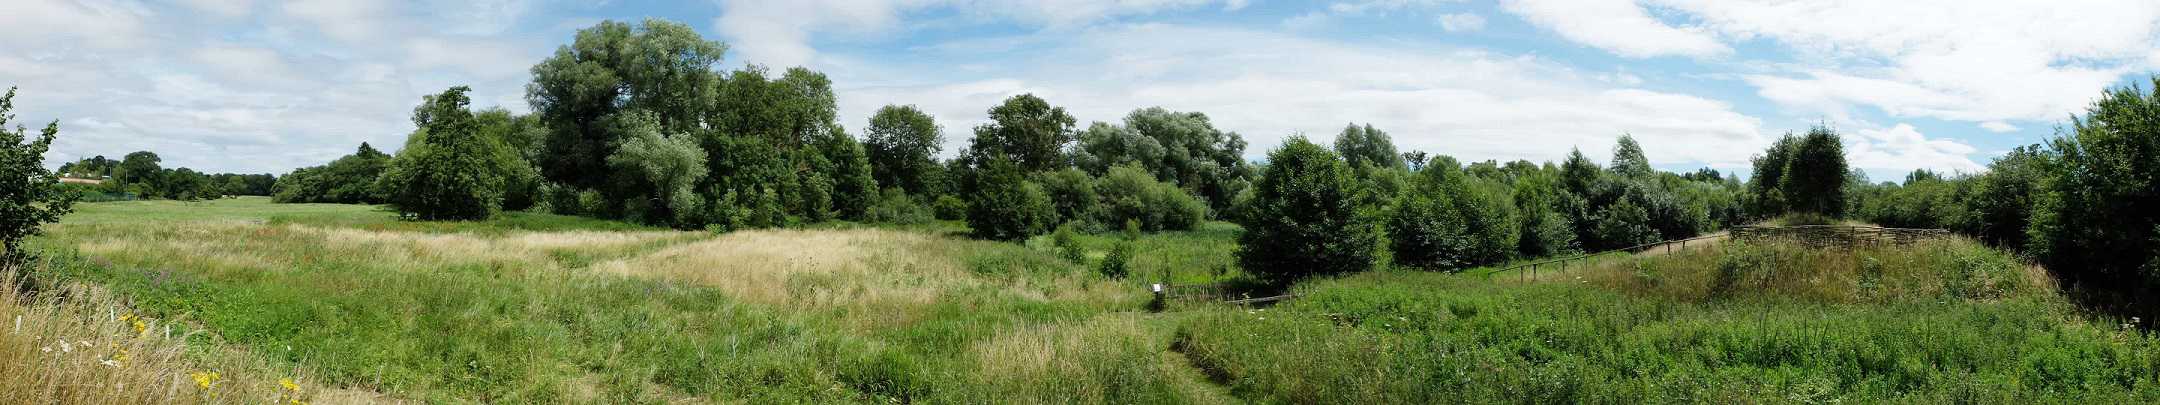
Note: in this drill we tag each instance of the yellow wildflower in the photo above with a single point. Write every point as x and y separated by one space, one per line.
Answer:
204 378
288 384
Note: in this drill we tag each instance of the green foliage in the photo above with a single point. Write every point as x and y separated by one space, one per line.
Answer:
30 195
1449 220
1814 178
903 143
347 180
2097 219
1943 322
1025 130
895 206
451 172
1068 245
949 208
1182 148
668 166
853 187
1365 146
1072 192
1628 160
1303 219
660 67
1006 206
1117 264
1130 194
1624 224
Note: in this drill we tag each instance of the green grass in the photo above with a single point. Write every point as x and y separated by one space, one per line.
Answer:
1934 323
513 309
540 308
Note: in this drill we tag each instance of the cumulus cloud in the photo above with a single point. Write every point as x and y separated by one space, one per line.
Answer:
1471 104
1976 61
1618 26
1902 148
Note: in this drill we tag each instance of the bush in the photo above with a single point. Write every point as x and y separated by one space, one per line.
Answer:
1005 206
1071 191
1303 219
949 208
1131 194
29 194
894 206
1117 264
1068 245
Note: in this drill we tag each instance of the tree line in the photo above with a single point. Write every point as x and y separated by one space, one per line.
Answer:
2085 203
633 122
141 175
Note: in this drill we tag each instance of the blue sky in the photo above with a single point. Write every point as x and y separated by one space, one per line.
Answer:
266 86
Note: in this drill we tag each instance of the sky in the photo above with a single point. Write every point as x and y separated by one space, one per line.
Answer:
1948 85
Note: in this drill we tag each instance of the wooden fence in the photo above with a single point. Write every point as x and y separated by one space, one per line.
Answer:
1823 236
1529 270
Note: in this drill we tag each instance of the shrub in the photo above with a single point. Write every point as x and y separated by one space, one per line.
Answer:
1117 264
1131 194
949 208
1303 219
1068 245
29 194
1071 191
1005 206
895 206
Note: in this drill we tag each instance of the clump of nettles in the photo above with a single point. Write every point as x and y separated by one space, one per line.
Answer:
1068 245
1116 265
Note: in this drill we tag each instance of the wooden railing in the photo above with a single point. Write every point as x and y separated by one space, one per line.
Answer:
1820 236
1529 271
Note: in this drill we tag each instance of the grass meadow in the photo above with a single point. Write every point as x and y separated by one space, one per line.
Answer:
348 304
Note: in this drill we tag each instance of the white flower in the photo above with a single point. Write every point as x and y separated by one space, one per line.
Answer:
110 363
66 348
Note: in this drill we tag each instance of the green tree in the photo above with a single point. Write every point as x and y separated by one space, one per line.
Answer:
1815 177
669 166
854 188
1130 194
1006 206
1769 199
2097 219
1366 146
1628 160
348 180
449 174
30 196
903 143
138 172
663 68
1303 219
1073 193
1026 130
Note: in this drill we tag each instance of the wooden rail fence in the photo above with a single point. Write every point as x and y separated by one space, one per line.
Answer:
1822 236
1529 270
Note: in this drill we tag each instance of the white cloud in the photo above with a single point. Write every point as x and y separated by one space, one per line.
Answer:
1469 104
778 32
344 20
1460 22
1902 148
1617 26
1975 61
1998 126
223 8
100 23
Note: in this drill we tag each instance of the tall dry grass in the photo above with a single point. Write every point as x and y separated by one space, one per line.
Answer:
77 344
